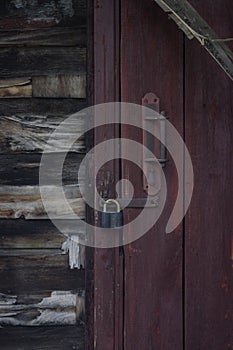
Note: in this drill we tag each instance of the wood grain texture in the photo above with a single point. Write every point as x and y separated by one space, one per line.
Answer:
28 237
209 130
151 59
33 273
23 169
43 338
20 62
58 308
18 14
34 228
16 239
30 134
89 251
25 201
18 87
41 106
72 36
108 307
60 86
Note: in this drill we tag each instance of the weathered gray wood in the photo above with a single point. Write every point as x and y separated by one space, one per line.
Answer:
21 241
34 231
33 273
23 169
43 338
193 25
70 246
58 308
18 87
20 62
27 134
64 86
36 14
25 201
73 36
41 106
29 252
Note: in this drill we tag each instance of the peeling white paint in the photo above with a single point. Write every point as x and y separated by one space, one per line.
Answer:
76 252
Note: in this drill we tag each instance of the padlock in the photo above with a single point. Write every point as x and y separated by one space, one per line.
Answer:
112 219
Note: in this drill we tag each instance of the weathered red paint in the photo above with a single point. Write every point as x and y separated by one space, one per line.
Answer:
152 61
208 225
107 293
177 287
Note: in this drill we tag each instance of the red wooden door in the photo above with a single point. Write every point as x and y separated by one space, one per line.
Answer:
167 291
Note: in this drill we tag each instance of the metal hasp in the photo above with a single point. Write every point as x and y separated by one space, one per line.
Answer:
193 25
154 122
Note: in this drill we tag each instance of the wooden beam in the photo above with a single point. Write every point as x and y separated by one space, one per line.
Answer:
194 26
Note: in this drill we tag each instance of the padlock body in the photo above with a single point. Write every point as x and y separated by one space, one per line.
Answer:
111 219
105 220
116 219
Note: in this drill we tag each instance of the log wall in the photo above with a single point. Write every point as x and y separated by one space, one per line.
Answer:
42 81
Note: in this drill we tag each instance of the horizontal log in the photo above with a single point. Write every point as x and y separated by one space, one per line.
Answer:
30 134
33 273
73 36
58 308
12 88
41 106
64 86
21 234
16 14
41 258
29 252
25 201
23 238
42 232
21 62
69 246
43 338
23 169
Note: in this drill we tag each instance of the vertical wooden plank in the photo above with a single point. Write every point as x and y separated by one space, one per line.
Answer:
209 130
89 256
107 264
152 61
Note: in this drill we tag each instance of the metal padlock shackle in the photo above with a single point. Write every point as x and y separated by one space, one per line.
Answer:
114 201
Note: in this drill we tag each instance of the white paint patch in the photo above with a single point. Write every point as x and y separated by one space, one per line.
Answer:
76 252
